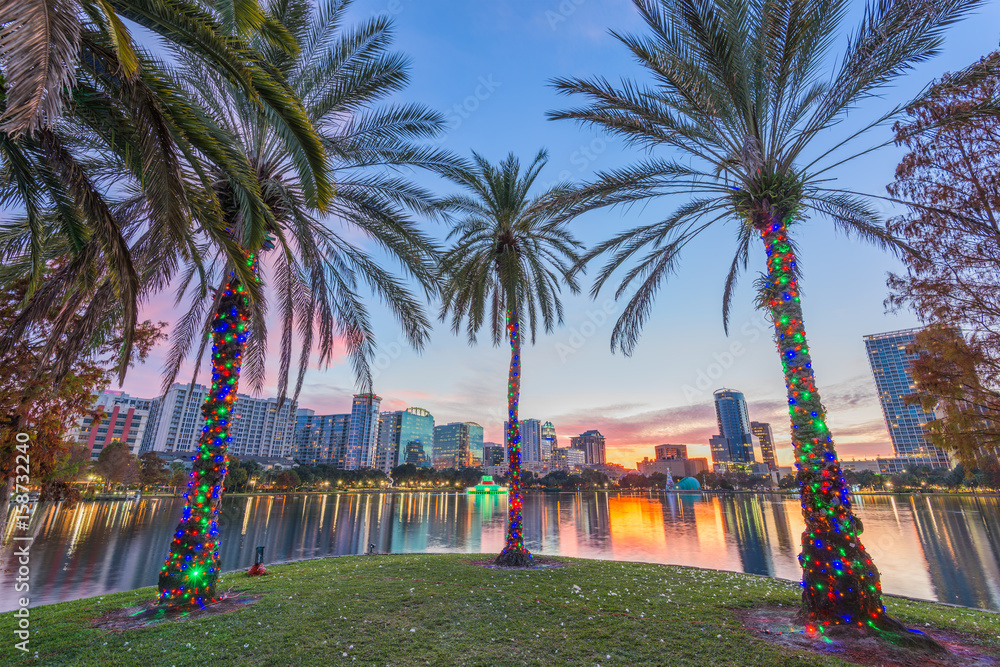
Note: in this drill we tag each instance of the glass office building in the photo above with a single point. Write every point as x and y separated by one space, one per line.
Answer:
735 440
407 437
891 360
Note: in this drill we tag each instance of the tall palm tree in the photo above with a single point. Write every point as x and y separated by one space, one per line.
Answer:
341 75
80 101
511 255
739 90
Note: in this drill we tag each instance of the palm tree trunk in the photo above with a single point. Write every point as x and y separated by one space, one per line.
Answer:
840 582
514 554
190 573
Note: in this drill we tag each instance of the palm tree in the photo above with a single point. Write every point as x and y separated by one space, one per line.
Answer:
739 89
340 74
128 125
506 268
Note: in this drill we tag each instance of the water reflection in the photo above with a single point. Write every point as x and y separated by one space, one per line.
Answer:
937 548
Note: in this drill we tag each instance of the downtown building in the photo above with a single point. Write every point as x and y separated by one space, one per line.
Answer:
891 361
591 443
362 435
126 419
495 459
672 460
763 432
321 439
406 436
345 441
259 427
735 448
568 458
458 445
549 441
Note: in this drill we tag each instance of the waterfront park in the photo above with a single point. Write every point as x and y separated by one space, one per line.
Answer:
271 195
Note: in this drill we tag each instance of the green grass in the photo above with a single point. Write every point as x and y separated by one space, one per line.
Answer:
441 610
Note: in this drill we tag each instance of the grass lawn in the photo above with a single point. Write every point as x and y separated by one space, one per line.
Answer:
443 610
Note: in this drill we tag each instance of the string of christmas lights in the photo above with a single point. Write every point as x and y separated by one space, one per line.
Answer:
190 572
841 585
514 553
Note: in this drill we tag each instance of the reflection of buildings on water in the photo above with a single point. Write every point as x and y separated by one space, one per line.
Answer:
780 516
961 550
105 546
743 523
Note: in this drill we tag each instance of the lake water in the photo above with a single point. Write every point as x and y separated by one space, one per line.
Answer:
933 547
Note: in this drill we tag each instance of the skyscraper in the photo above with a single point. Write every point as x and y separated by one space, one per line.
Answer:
458 445
592 444
531 440
321 439
734 428
891 363
362 438
549 441
407 437
259 428
763 432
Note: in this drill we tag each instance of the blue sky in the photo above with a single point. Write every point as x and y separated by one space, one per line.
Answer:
488 66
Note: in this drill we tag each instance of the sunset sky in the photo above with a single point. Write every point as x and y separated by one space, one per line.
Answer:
488 66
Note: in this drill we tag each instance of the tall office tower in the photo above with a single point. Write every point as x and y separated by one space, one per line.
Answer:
362 439
734 426
671 452
763 432
321 439
407 437
494 454
531 439
180 422
720 449
458 445
126 419
592 445
259 428
891 364
154 419
549 440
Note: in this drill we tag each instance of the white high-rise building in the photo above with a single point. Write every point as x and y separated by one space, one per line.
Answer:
258 428
362 439
531 439
126 419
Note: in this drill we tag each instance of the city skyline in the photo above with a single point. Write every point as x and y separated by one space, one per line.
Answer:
663 393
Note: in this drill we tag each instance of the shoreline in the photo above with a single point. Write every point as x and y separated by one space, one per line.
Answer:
702 492
363 609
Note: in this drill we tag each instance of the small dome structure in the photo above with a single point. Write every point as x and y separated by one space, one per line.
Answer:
688 484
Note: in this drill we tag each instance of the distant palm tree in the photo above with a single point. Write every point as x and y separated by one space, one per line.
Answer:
340 74
739 88
510 258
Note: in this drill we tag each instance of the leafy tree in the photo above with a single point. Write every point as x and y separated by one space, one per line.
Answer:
178 478
506 269
117 465
287 480
33 403
951 179
738 95
153 470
